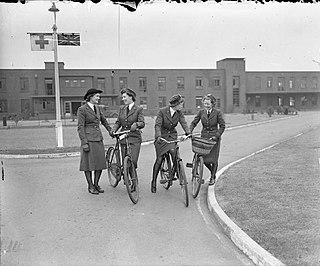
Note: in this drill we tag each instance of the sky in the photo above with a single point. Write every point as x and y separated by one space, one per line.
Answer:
271 36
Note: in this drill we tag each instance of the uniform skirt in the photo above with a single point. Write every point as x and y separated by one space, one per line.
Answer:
162 148
213 156
94 159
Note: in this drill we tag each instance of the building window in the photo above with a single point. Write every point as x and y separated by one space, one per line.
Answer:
198 101
162 83
123 82
180 83
303 100
143 102
257 101
75 83
280 84
143 84
280 101
216 82
3 106
236 98
258 83
48 83
218 103
303 84
162 101
24 84
236 82
291 101
291 82
44 104
3 85
269 82
101 84
199 84
314 100
83 83
314 83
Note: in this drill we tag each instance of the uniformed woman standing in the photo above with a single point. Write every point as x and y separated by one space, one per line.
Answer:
165 127
92 148
130 118
213 126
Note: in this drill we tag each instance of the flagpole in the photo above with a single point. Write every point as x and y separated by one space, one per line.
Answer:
59 132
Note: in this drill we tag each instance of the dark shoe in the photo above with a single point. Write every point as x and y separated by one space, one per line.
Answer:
133 188
153 187
93 190
212 181
99 189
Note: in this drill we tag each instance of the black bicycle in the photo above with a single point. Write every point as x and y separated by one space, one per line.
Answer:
200 147
172 169
118 168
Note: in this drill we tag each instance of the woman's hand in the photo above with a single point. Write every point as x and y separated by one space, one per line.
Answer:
134 127
85 148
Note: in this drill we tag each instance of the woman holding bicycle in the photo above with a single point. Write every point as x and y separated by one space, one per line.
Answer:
92 147
213 126
130 118
165 127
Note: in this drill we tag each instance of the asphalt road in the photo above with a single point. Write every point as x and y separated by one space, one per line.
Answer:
49 218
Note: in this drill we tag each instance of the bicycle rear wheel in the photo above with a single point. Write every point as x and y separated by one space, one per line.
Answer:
131 179
183 183
165 172
197 174
114 170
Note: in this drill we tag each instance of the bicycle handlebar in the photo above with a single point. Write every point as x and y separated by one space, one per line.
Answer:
175 141
121 133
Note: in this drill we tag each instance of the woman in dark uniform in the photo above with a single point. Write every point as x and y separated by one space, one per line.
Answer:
165 127
213 126
130 118
92 148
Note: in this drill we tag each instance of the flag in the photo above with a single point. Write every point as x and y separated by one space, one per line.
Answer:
41 41
70 39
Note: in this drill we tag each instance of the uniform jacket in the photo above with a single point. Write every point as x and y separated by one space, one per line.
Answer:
88 124
165 125
212 126
125 121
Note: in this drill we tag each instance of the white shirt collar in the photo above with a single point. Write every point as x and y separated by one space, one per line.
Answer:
131 105
91 105
172 111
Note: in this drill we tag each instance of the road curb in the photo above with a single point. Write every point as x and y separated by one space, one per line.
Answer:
246 244
75 154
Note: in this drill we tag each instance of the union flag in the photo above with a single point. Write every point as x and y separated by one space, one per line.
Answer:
71 39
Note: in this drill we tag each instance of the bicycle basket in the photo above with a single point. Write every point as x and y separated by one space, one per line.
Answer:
202 146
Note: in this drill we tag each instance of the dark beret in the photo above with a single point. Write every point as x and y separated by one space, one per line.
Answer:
175 100
129 91
91 92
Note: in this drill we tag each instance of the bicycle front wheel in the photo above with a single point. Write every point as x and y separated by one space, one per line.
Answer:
131 179
165 172
197 174
183 183
114 171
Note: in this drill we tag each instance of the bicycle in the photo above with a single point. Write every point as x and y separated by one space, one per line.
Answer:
171 167
200 147
118 168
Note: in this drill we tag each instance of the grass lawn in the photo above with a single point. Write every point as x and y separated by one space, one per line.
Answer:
275 198
30 138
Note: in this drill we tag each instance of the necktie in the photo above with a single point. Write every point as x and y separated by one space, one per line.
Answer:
128 109
95 109
208 113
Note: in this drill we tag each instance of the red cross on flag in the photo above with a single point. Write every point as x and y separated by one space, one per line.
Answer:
41 41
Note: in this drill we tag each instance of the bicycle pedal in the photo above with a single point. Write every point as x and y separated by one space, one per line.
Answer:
189 165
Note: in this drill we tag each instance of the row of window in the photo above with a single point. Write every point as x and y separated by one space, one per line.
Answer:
292 101
292 83
123 83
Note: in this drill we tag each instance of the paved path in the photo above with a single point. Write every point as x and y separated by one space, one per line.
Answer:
48 218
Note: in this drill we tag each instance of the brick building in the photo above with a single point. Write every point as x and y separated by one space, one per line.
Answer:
31 92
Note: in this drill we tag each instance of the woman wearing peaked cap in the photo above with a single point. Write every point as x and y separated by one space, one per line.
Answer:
165 127
131 118
213 126
92 154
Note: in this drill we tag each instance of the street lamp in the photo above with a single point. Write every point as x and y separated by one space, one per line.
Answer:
59 132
